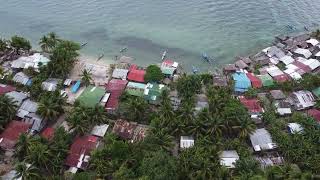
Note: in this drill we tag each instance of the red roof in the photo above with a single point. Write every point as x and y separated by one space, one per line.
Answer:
305 68
48 133
252 105
136 74
6 88
315 113
80 150
10 135
281 78
256 82
115 87
167 62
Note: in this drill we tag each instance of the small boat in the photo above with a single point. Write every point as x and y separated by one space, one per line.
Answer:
206 57
306 28
194 70
291 27
84 44
123 49
100 57
164 55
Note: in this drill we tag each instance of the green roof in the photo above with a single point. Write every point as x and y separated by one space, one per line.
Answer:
135 89
91 96
317 92
153 91
168 71
266 80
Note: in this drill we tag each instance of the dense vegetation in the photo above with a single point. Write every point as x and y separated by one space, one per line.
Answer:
224 125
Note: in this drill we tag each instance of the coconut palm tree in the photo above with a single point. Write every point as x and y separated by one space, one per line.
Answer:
245 128
316 34
79 119
98 115
45 44
158 138
8 108
51 106
22 146
27 171
136 109
40 154
86 77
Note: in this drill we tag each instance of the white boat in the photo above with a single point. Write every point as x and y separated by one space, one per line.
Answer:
164 55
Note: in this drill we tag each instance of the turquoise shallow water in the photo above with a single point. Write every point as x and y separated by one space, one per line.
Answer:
223 29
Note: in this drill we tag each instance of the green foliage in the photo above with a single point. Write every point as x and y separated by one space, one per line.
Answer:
86 77
316 34
82 118
3 45
247 167
135 109
20 43
251 93
62 59
51 105
8 110
49 42
153 74
188 86
158 165
27 171
206 79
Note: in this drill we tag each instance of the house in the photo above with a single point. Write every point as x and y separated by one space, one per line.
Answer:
21 78
105 99
312 64
220 81
261 59
18 97
10 136
252 105
80 151
302 100
295 128
91 96
312 42
32 61
129 130
115 87
67 82
241 65
286 59
316 92
303 53
6 88
274 51
277 74
136 89
135 74
242 82
229 158
266 80
76 87
124 129
169 67
186 142
50 84
261 140
268 159
27 112
282 107
277 94
153 91
255 82
229 68
48 133
100 130
315 114
120 73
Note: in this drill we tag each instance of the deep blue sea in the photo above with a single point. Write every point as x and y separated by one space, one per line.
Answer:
223 29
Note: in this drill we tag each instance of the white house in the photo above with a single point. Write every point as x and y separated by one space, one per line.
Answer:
186 142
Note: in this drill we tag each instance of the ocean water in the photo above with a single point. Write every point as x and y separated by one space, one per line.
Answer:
223 29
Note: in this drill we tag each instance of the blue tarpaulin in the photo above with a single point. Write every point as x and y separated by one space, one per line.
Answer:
75 87
242 82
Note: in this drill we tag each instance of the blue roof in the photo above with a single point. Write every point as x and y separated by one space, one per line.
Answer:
76 87
242 82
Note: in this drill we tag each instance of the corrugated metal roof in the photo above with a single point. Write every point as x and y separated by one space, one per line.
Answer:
21 78
120 73
261 140
10 135
242 82
100 130
18 97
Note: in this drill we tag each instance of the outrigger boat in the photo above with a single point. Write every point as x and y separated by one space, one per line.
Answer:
306 28
194 70
123 49
291 27
164 55
206 57
100 57
84 44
